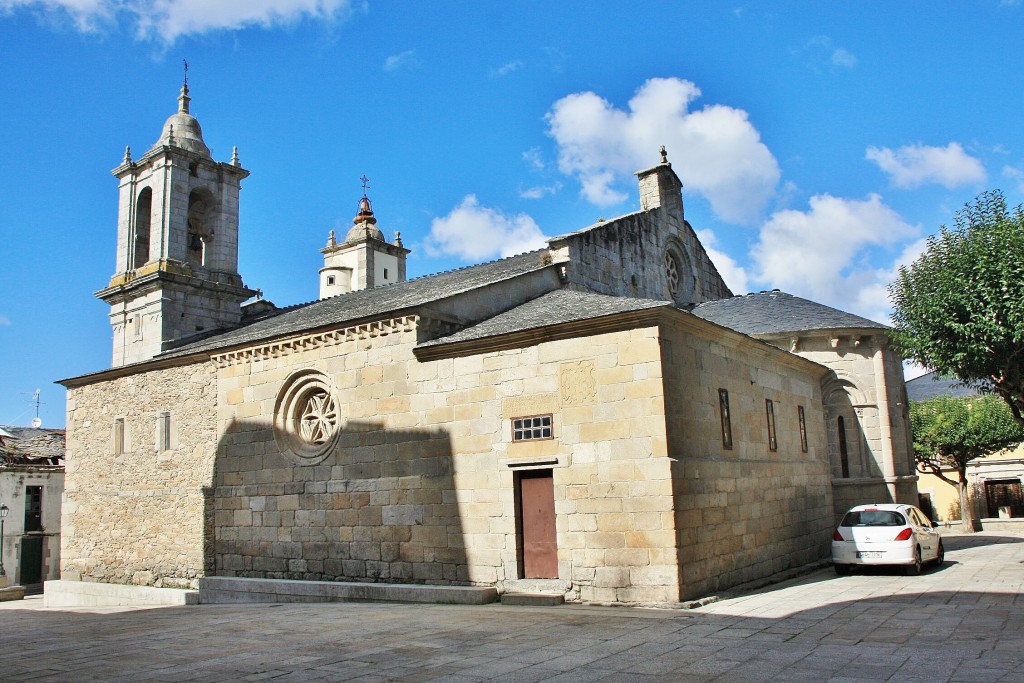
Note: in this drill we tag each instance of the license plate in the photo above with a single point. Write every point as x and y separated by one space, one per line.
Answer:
867 554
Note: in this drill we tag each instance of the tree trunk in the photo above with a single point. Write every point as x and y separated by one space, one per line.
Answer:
968 522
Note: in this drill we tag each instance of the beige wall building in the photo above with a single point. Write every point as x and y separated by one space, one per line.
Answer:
593 418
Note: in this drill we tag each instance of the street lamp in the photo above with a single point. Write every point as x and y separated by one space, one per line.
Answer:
3 517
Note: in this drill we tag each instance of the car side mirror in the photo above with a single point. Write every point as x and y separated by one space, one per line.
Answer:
935 525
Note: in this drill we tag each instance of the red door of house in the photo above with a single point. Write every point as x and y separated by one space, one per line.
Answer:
537 521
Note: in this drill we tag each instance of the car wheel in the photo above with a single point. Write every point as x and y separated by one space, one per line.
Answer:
940 557
841 569
915 569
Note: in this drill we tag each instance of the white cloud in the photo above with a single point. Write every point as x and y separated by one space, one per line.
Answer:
170 19
401 60
716 151
506 69
912 166
535 158
1015 175
473 232
822 49
734 274
844 58
823 253
540 191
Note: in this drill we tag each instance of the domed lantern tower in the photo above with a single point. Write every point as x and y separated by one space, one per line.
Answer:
365 259
177 243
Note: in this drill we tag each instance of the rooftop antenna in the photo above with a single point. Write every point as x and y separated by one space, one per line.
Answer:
36 421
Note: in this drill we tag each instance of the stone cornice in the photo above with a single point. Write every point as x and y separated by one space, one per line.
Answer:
284 347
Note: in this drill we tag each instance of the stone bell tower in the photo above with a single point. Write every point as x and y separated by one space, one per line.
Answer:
365 259
177 243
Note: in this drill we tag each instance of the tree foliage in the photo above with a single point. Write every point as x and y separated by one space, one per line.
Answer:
951 432
959 308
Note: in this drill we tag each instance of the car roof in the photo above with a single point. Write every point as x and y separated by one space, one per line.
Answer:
880 506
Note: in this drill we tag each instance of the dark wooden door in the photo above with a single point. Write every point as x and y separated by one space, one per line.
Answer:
31 563
537 505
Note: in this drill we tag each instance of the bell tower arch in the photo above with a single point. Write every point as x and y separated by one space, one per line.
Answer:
176 273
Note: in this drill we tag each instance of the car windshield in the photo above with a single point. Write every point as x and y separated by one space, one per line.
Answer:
873 518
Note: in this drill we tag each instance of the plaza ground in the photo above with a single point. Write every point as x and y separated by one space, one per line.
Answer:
961 622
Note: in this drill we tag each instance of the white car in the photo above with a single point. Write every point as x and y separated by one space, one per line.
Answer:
886 534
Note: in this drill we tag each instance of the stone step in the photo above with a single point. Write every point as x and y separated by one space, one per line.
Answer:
225 589
533 599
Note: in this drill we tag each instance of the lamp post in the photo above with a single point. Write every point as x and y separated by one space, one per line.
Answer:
3 517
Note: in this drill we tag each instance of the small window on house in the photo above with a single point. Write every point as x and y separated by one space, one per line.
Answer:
531 428
163 432
844 454
385 273
33 508
330 280
803 427
119 436
723 410
769 407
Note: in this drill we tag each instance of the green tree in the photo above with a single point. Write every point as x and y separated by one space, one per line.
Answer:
959 308
951 432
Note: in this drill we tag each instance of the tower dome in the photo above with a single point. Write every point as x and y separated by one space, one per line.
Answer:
183 130
365 223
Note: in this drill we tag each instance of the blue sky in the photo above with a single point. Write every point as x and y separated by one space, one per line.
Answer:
819 143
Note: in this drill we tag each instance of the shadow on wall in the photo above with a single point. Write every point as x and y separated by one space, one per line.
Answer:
381 506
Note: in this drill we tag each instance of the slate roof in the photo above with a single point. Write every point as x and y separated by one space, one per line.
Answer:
367 303
553 308
933 384
777 312
31 446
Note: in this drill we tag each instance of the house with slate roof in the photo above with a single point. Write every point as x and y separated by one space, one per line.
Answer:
600 418
31 486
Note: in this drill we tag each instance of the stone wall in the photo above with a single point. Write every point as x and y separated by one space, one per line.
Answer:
138 516
627 257
744 512
866 389
420 484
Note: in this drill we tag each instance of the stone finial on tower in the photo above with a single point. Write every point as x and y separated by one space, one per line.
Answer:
127 155
235 161
661 187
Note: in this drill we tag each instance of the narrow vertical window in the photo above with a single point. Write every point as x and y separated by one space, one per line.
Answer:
33 508
164 432
769 407
143 211
723 410
803 428
385 273
844 455
119 436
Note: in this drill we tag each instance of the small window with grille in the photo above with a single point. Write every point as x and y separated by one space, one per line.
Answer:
535 428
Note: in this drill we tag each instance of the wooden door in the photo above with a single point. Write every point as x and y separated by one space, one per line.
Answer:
537 524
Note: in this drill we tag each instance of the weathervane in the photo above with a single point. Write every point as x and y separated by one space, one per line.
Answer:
186 72
366 182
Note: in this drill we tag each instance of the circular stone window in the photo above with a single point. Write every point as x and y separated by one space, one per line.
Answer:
306 418
679 276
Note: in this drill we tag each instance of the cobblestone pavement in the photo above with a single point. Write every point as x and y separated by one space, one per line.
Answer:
963 622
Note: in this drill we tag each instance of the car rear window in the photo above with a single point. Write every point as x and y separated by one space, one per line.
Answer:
873 518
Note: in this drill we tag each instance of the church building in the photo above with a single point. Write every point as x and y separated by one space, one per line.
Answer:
600 417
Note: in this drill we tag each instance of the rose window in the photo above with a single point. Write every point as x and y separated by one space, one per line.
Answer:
672 273
307 418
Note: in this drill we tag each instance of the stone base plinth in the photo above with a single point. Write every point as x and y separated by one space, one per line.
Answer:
88 594
12 593
229 589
